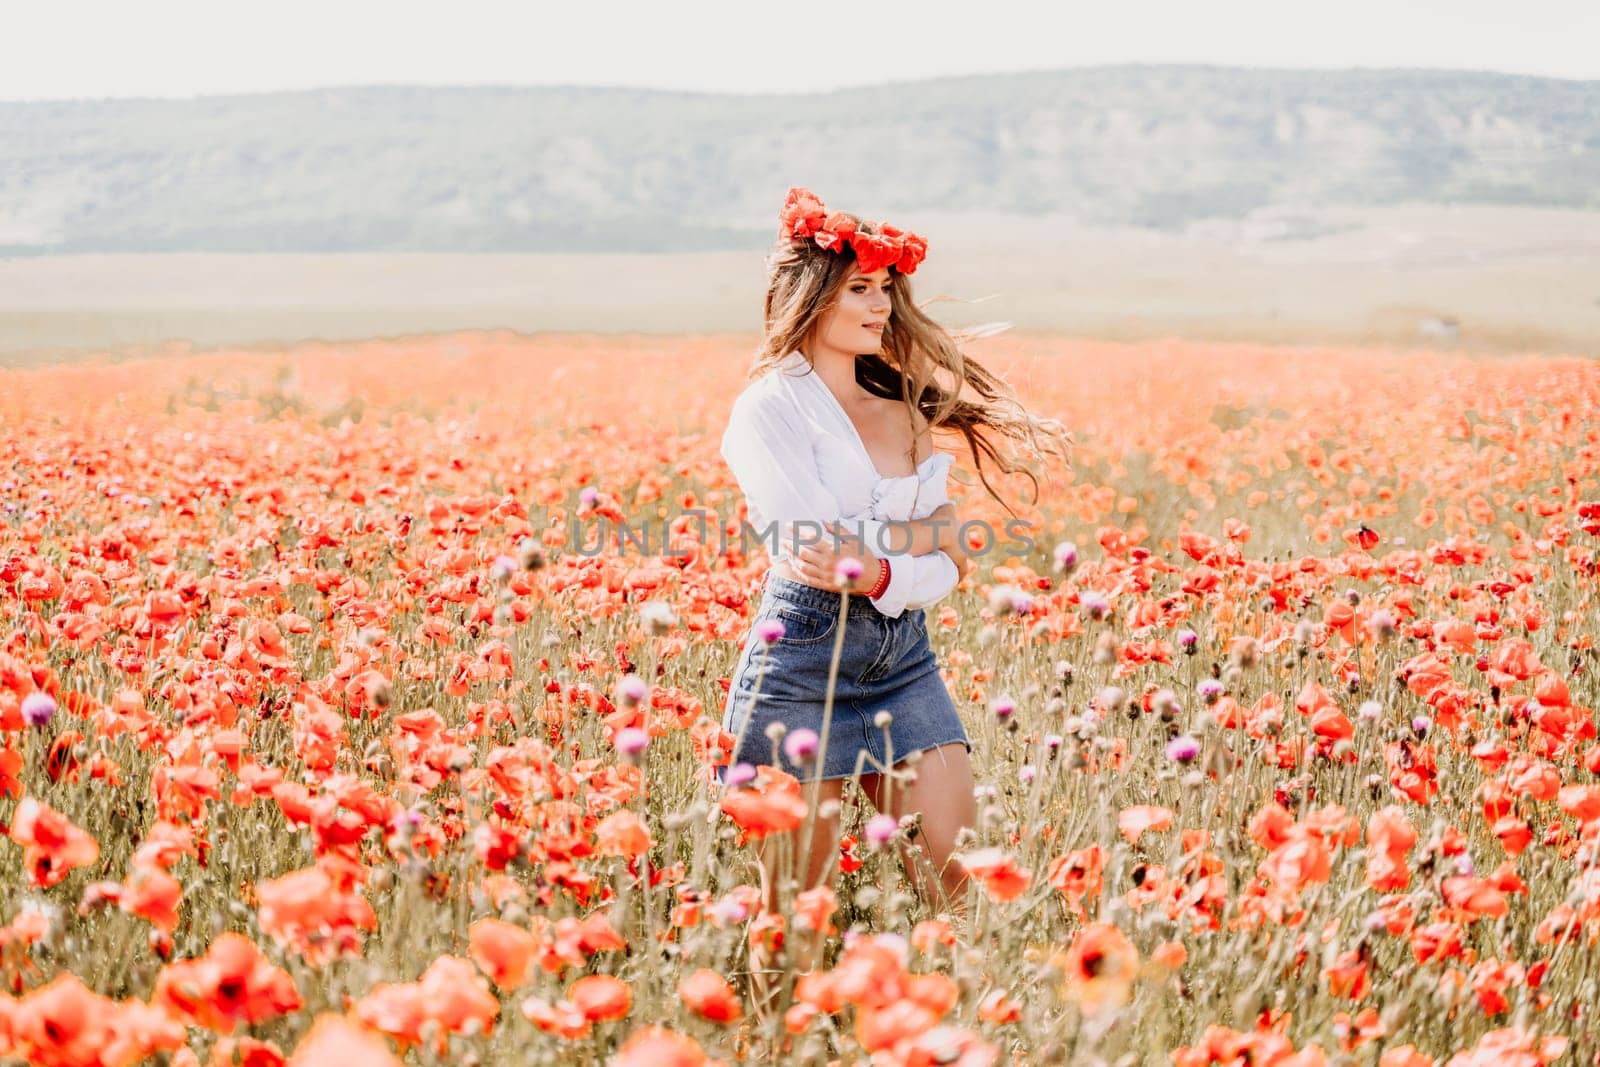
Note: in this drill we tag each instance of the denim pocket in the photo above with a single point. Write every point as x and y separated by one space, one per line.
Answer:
802 623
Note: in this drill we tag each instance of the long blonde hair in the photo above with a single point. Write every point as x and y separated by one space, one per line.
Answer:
804 281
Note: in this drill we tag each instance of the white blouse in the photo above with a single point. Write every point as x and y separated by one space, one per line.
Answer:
799 458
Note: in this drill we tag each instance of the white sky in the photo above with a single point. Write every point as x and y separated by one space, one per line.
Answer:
53 49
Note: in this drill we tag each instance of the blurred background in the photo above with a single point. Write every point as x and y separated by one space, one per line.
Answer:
204 174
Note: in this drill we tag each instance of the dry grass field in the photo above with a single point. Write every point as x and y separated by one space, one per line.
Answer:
1514 279
319 744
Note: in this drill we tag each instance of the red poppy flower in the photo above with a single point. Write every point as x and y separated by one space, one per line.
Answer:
51 845
232 984
601 997
1099 967
656 1046
708 994
771 804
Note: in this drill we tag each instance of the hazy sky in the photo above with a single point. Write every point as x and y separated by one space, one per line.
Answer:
77 48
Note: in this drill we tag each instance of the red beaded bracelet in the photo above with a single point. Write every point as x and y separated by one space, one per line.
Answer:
883 580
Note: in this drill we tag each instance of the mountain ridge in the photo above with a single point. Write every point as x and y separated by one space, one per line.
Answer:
404 168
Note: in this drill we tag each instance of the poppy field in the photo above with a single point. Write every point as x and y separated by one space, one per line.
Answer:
323 740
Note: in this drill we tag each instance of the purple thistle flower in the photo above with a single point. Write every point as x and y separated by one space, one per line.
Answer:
769 631
880 830
741 774
801 745
631 689
631 740
39 707
1183 748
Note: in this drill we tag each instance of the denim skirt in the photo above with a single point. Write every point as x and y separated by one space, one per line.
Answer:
885 665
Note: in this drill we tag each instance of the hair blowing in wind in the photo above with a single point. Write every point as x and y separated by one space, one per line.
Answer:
804 280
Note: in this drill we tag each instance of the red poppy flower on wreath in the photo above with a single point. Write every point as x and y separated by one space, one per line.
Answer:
836 232
805 218
803 215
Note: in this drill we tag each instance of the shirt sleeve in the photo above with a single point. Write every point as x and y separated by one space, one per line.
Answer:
767 447
918 581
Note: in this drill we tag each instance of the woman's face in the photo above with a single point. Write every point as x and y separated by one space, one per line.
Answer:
855 322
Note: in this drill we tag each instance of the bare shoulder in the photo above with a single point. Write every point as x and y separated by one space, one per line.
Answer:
893 412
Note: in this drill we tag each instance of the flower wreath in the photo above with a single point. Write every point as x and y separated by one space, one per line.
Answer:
805 219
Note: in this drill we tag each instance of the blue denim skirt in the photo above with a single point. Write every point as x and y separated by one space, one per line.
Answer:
885 665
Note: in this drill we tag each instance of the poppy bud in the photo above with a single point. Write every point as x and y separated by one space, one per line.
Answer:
530 554
658 616
1111 698
1244 651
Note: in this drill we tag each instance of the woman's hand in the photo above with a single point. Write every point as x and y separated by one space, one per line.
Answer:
815 564
951 542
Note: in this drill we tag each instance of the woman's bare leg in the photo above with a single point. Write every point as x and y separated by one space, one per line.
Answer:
941 790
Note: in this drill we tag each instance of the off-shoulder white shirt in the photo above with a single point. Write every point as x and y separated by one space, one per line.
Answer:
799 459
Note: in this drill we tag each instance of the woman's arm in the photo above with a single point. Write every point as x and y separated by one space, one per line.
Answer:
926 535
959 553
765 446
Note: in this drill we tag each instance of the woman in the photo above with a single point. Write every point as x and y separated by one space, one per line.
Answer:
832 447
